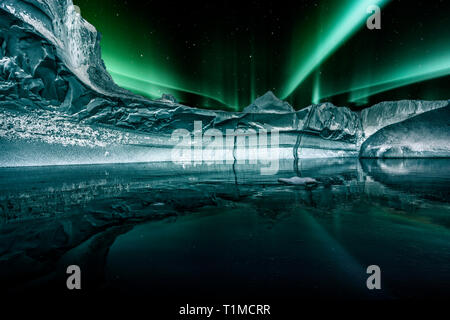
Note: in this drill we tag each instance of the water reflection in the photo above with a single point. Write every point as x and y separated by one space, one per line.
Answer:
243 226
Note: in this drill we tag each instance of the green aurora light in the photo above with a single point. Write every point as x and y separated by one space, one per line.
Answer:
346 21
227 64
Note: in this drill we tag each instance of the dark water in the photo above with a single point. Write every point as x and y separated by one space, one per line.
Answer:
216 231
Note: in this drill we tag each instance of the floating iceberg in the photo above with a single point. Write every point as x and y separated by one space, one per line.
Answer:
423 136
386 113
305 181
59 105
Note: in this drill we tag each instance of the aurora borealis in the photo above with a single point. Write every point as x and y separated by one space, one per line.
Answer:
224 54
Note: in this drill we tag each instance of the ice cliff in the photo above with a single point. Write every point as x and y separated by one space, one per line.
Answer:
59 105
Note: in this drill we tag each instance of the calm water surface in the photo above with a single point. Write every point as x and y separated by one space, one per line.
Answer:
218 231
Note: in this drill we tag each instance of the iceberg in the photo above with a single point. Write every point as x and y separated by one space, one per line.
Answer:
386 113
71 38
423 136
305 181
59 105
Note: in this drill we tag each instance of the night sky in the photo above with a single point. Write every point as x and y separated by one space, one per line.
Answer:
224 54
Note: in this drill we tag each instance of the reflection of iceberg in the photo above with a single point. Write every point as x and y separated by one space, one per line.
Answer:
412 176
59 105
76 212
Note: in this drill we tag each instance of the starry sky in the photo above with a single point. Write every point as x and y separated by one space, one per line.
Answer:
224 54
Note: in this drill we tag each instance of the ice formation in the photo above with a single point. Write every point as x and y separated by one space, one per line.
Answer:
426 135
305 181
269 103
385 113
58 103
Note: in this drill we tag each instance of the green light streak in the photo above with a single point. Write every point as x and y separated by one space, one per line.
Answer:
226 72
351 18
415 73
154 89
412 71
316 88
140 58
